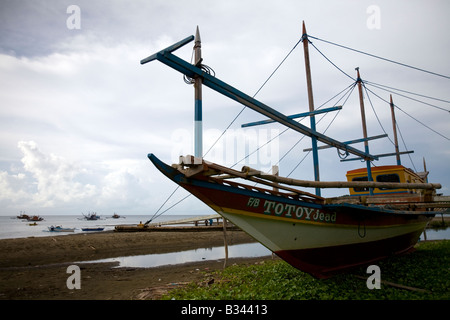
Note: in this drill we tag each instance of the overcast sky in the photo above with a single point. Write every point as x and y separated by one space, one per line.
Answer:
79 114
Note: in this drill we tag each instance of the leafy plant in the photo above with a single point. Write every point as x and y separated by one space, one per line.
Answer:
422 275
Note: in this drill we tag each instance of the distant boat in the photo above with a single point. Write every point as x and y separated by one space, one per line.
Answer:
93 229
116 216
35 218
91 216
33 224
23 216
60 229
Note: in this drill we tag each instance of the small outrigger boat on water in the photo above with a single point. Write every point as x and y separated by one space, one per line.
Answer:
386 212
117 216
60 229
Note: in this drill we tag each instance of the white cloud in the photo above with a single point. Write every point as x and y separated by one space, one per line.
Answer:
55 177
50 181
96 112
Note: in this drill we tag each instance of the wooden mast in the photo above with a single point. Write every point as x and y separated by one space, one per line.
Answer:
394 127
364 127
311 107
198 126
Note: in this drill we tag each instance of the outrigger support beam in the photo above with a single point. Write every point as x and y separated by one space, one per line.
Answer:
165 56
294 116
339 184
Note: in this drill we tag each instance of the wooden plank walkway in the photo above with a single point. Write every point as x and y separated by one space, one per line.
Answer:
186 220
174 225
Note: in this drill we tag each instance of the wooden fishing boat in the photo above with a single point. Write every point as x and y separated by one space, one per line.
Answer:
91 216
23 216
317 235
385 213
35 218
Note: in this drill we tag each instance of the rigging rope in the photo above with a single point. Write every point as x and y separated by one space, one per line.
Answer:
404 144
426 126
260 88
154 215
379 86
376 115
331 62
405 91
381 58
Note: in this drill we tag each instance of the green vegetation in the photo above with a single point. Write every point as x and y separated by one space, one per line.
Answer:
427 269
438 224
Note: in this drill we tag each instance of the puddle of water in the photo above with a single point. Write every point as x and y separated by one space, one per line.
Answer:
213 253
216 253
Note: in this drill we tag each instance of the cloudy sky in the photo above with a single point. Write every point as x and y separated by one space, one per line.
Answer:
79 114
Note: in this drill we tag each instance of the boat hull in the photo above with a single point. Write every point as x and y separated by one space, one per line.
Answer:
55 229
92 229
316 238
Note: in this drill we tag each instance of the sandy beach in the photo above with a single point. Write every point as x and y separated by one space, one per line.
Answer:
36 267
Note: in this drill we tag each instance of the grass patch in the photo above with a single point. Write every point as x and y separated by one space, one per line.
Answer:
428 269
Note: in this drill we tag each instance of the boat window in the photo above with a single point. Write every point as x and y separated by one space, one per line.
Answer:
363 188
392 177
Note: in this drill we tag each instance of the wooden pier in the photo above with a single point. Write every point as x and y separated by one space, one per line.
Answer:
201 223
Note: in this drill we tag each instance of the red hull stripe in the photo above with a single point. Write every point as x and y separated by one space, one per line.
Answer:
328 261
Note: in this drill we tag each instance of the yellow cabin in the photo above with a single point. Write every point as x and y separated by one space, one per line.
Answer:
394 173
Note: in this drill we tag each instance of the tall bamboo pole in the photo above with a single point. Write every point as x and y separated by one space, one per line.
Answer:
394 128
364 127
311 107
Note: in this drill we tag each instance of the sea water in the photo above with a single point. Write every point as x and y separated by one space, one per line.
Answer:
12 227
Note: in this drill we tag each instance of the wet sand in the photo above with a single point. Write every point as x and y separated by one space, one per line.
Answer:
36 268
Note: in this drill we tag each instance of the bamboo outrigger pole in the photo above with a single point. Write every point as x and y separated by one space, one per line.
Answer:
394 127
364 127
311 107
339 184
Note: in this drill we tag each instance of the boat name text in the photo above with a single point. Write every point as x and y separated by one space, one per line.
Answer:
292 211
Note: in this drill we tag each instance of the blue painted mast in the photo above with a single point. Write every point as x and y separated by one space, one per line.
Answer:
311 107
198 125
364 127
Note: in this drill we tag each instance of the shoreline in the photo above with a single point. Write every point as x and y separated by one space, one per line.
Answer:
32 251
36 268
